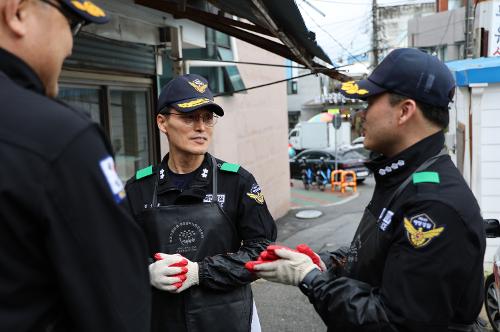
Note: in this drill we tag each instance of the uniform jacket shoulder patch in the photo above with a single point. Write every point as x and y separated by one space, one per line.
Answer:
256 194
228 167
115 184
421 230
144 172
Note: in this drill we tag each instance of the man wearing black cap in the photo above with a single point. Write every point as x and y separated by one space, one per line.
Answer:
204 218
71 257
416 260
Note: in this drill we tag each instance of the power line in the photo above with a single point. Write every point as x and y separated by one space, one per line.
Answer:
343 2
393 3
262 85
450 14
375 33
333 38
354 19
242 62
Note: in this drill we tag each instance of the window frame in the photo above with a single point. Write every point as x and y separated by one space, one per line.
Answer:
107 83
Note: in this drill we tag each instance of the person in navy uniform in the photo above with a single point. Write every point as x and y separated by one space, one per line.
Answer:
203 218
416 260
72 258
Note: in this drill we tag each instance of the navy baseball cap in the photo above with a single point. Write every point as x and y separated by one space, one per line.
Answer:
409 72
86 10
188 93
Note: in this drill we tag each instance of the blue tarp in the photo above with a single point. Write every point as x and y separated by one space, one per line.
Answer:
479 70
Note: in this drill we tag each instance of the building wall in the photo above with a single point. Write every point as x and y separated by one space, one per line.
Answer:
482 137
394 22
138 24
254 129
444 29
308 88
481 171
490 151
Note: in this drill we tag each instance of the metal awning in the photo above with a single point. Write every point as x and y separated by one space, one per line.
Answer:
274 25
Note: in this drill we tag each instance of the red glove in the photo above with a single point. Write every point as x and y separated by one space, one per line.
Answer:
304 248
269 255
181 275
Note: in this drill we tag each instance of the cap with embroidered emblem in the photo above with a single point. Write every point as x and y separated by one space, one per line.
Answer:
409 72
188 93
87 10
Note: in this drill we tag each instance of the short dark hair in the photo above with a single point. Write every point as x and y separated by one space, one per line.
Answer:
438 115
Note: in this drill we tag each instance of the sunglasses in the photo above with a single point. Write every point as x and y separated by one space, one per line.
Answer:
76 24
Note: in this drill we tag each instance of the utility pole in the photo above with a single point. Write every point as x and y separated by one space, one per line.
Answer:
469 30
375 46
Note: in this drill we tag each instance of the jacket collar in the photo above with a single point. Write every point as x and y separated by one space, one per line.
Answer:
199 185
391 171
19 72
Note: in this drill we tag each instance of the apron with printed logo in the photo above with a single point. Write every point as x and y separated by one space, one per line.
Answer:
196 231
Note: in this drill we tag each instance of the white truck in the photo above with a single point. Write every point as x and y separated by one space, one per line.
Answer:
318 135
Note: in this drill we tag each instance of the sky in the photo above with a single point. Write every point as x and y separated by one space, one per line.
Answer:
346 27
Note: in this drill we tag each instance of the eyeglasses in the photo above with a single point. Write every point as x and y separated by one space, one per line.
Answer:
76 24
209 119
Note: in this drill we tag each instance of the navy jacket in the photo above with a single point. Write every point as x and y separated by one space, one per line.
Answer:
72 258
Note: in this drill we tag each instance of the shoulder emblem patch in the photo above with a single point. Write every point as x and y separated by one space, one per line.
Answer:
142 173
256 194
230 167
420 230
115 184
425 177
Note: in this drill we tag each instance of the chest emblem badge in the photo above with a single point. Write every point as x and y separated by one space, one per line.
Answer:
420 230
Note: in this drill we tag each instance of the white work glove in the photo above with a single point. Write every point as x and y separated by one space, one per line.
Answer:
305 249
191 277
166 277
291 269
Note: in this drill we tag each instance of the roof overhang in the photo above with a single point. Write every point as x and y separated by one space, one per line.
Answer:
274 25
472 71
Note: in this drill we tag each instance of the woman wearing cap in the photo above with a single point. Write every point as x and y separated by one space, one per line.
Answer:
203 219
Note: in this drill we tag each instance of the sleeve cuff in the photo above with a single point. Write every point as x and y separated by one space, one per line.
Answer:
306 284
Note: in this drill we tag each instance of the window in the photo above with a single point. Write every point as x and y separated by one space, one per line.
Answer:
87 99
125 115
291 85
129 134
221 77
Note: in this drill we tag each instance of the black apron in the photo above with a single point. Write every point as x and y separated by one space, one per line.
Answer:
196 231
370 246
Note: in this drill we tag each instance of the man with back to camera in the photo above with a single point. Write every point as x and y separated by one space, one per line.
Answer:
71 257
416 260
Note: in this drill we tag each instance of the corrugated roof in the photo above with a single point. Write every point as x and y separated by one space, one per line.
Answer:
277 19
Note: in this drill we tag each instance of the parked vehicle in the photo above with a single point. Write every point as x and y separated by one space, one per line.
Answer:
492 283
346 160
318 135
358 145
